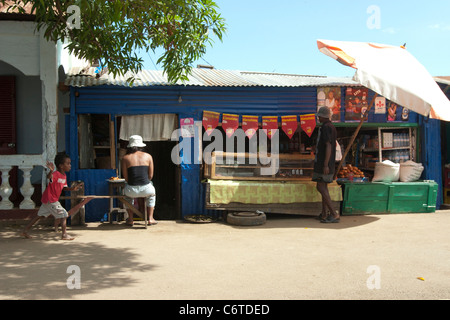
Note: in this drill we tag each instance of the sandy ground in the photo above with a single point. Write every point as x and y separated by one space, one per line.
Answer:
289 257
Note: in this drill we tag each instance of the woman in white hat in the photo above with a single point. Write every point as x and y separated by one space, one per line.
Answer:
137 170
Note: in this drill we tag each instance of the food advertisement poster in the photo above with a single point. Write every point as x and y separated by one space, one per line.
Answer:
330 97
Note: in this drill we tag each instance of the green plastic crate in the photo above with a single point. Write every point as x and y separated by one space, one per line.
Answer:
394 197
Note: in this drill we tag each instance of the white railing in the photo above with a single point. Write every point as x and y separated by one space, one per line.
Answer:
25 163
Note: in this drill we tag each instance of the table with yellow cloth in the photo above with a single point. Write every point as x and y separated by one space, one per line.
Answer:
266 192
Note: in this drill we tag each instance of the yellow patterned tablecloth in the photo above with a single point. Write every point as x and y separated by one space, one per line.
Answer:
265 192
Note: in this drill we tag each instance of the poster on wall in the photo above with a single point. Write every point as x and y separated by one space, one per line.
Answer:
308 123
392 112
250 125
230 122
289 125
405 114
396 112
356 103
270 125
187 127
380 105
330 97
210 121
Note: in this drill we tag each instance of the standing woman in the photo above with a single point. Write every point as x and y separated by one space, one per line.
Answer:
137 170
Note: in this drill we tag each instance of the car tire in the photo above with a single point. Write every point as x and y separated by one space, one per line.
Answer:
246 218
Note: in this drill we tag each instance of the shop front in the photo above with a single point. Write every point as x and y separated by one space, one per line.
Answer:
255 149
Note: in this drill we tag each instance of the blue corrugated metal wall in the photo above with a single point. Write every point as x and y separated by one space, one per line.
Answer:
243 100
126 101
258 101
431 153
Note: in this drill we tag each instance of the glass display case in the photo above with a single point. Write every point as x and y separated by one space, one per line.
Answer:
258 166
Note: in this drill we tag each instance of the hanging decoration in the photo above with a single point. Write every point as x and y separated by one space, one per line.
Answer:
250 125
289 125
308 123
230 122
210 121
270 125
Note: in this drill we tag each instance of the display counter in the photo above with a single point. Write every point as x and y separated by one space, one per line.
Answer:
270 183
389 197
291 197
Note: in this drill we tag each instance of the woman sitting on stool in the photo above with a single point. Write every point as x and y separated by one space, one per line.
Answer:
137 170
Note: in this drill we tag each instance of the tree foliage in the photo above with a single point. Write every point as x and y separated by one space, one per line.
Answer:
112 31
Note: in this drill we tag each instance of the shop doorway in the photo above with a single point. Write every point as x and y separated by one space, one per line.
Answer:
166 180
166 174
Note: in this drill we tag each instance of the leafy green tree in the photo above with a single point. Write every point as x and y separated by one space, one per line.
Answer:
112 31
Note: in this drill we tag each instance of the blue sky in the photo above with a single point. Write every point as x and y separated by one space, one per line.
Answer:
280 36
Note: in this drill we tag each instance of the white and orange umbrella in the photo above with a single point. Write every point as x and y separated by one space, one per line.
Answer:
393 72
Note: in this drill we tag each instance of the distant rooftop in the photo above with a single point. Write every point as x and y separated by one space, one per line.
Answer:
205 77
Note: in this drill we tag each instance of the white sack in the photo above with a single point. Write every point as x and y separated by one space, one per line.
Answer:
410 171
386 171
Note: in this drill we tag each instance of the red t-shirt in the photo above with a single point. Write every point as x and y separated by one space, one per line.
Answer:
54 188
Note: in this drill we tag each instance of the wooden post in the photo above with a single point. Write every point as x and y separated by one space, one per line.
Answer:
112 143
78 219
354 135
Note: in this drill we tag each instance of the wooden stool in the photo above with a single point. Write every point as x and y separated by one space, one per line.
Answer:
133 208
145 213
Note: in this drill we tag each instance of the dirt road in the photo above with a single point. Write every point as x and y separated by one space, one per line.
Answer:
289 257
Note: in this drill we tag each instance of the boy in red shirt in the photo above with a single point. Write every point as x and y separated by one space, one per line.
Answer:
50 204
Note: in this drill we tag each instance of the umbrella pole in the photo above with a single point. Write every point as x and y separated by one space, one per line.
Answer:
354 135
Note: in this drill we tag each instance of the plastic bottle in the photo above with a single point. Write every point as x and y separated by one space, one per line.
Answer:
396 157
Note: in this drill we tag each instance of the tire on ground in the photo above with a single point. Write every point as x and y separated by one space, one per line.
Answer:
246 218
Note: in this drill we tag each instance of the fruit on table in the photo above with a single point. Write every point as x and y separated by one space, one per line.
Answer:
348 170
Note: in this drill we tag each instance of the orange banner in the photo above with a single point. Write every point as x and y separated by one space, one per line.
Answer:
308 123
270 125
210 121
289 125
230 122
250 125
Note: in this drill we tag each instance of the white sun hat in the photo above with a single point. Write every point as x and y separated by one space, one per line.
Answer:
136 141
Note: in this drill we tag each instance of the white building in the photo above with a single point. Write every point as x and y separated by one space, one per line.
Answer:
31 109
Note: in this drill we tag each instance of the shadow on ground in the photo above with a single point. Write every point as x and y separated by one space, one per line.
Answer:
38 268
281 221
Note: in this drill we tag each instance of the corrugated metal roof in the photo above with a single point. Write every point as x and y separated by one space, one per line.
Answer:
205 78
